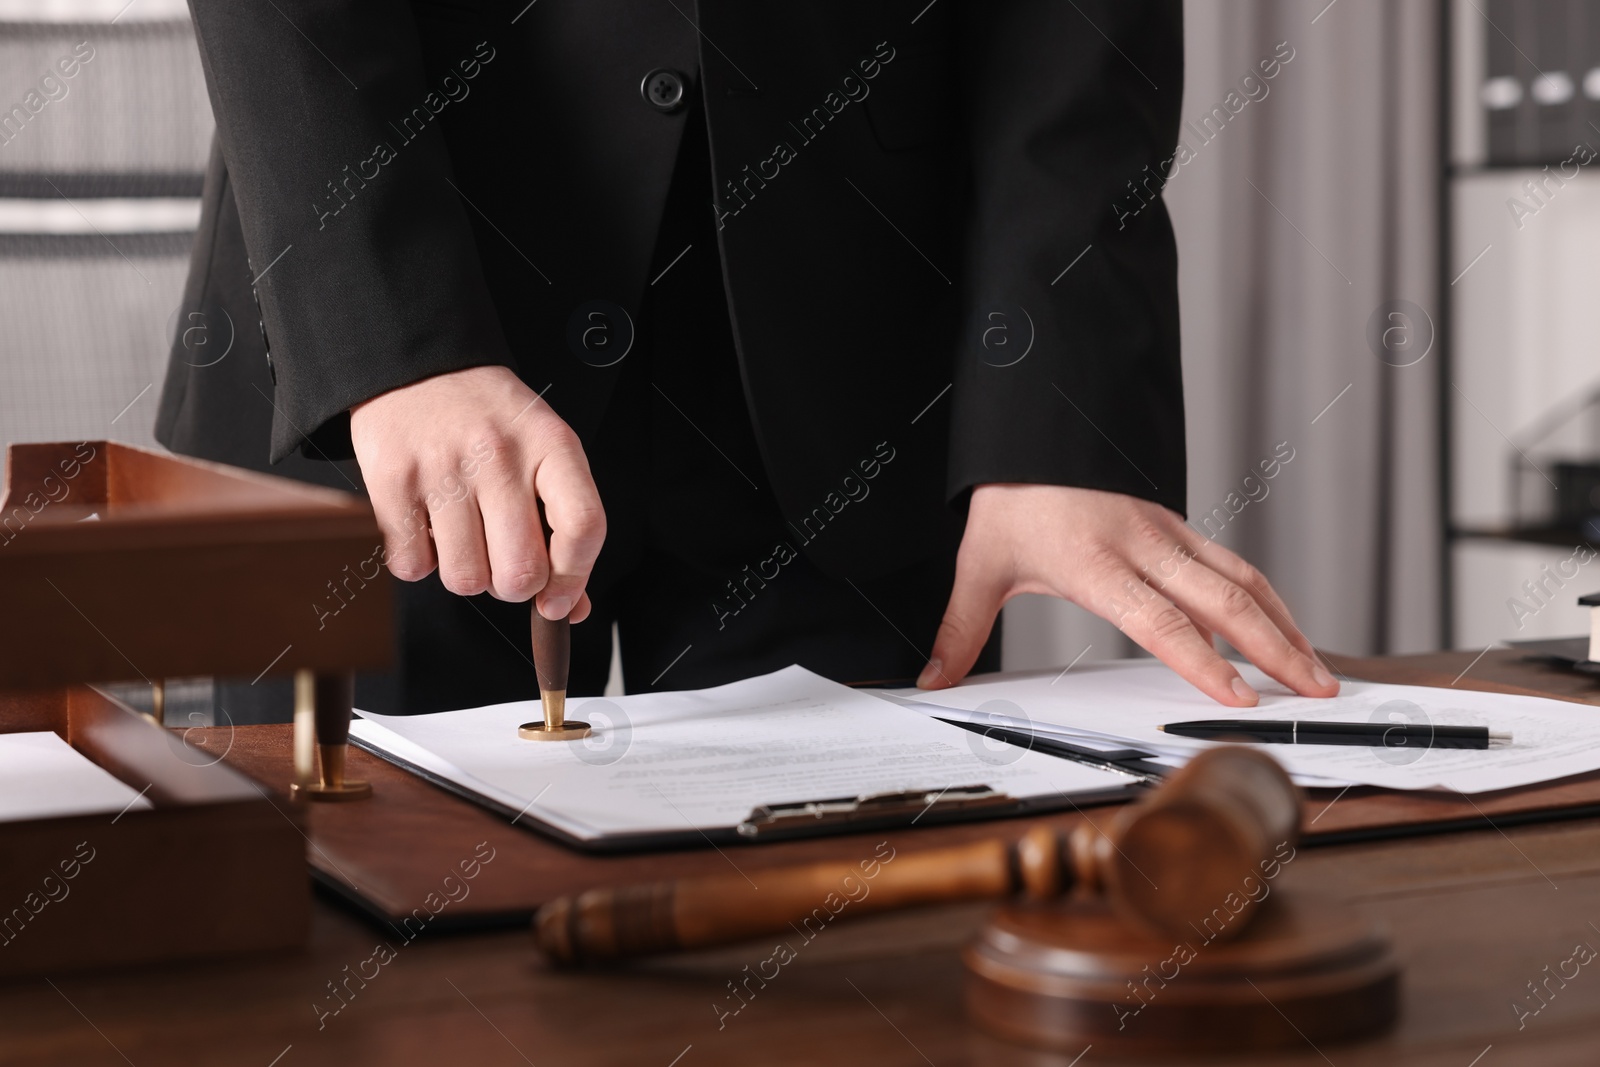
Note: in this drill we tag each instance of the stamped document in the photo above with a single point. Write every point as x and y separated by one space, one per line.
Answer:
701 760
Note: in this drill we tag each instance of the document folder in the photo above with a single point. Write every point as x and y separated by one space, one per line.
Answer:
789 754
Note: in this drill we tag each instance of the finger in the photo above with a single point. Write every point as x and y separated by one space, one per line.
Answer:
458 542
1160 627
975 600
1232 611
1232 567
1235 569
403 520
577 526
580 611
518 567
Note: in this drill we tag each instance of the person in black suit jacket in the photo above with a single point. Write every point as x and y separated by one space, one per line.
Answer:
811 328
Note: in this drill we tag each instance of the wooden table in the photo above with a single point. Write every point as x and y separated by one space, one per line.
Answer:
1476 916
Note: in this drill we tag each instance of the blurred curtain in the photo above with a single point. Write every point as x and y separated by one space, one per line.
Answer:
1315 208
1306 204
100 174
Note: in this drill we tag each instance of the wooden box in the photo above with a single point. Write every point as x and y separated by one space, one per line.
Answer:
122 564
117 563
215 867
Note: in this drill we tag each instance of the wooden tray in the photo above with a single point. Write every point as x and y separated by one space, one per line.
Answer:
391 855
119 563
215 867
186 568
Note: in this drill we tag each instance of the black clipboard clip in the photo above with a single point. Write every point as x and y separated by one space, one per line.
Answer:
907 806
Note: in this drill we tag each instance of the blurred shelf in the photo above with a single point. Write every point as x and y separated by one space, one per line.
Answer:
1554 536
1474 170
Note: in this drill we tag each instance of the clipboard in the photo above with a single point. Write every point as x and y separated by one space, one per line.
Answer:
827 816
777 756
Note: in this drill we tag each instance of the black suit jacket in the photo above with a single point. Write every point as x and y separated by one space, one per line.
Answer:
923 218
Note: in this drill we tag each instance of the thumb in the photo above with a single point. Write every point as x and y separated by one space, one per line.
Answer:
975 600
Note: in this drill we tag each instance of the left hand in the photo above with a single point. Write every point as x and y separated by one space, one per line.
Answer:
1129 561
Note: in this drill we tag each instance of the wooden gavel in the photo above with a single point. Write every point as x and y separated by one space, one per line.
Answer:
1165 864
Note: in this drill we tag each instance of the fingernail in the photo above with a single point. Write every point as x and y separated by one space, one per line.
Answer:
1244 692
930 674
556 608
1320 676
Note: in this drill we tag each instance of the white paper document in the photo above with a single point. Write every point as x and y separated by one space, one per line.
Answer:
1126 700
43 777
700 760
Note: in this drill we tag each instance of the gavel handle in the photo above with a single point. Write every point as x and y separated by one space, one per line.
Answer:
1214 824
611 924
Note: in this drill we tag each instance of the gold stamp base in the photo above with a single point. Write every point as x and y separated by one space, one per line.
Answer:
331 783
567 731
330 792
555 726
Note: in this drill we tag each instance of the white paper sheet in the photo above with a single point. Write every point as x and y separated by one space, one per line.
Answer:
702 760
1125 700
42 777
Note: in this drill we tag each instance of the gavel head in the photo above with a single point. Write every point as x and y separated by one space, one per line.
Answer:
1199 854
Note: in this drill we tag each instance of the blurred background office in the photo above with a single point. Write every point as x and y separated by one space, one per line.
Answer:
1378 306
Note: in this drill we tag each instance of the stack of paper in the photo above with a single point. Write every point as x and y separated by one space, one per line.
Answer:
1121 704
670 763
694 761
42 777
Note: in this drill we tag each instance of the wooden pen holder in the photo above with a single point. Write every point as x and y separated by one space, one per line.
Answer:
117 563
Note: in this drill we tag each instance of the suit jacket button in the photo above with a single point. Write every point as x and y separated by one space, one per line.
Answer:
663 89
266 346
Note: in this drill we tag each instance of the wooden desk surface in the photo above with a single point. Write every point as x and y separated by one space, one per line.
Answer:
1476 916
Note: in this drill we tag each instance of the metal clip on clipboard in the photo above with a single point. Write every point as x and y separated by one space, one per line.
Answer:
807 815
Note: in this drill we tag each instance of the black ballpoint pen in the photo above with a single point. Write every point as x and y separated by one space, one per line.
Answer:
1375 734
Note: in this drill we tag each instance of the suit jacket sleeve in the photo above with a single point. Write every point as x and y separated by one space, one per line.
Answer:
366 268
1072 113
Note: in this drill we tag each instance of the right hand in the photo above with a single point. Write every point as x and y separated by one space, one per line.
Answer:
1130 561
456 466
